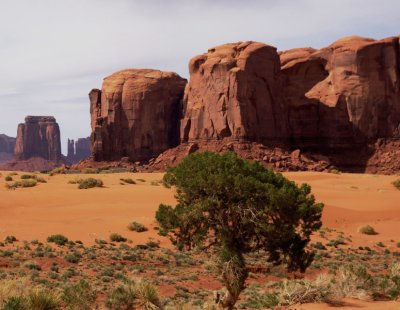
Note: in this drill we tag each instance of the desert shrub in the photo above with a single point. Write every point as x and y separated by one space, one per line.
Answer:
237 207
128 181
10 288
59 170
138 227
147 296
90 183
42 299
23 183
129 296
397 184
10 239
261 301
352 281
15 303
319 246
122 297
8 178
72 258
89 171
367 230
41 179
80 296
57 239
28 176
299 292
114 237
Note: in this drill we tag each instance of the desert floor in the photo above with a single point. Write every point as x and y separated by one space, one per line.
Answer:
56 207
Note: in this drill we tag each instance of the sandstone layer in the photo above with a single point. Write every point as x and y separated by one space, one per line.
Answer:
136 114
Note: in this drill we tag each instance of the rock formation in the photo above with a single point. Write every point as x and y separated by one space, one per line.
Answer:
234 92
7 145
136 114
340 103
78 150
344 95
39 137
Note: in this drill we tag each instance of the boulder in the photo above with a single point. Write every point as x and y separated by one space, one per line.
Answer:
135 114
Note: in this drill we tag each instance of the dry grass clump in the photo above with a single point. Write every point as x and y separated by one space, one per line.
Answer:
140 295
299 292
367 230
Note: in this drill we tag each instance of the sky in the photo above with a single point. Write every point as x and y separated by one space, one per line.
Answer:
53 52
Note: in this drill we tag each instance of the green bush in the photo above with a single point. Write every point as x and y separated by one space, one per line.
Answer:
90 183
57 239
367 230
397 184
114 237
239 207
135 226
8 178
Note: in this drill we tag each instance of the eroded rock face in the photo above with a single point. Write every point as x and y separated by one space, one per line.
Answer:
39 137
136 114
344 95
234 92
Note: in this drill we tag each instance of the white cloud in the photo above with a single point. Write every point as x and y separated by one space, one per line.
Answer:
52 52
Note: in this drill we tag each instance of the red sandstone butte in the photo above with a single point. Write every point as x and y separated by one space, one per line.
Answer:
234 92
39 137
136 114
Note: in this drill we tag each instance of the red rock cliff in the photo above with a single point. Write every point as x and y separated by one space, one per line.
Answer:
39 136
136 114
343 95
234 92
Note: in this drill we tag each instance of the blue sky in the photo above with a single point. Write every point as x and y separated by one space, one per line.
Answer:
53 52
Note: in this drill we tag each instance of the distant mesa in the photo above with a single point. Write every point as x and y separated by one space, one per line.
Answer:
37 146
78 150
7 146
